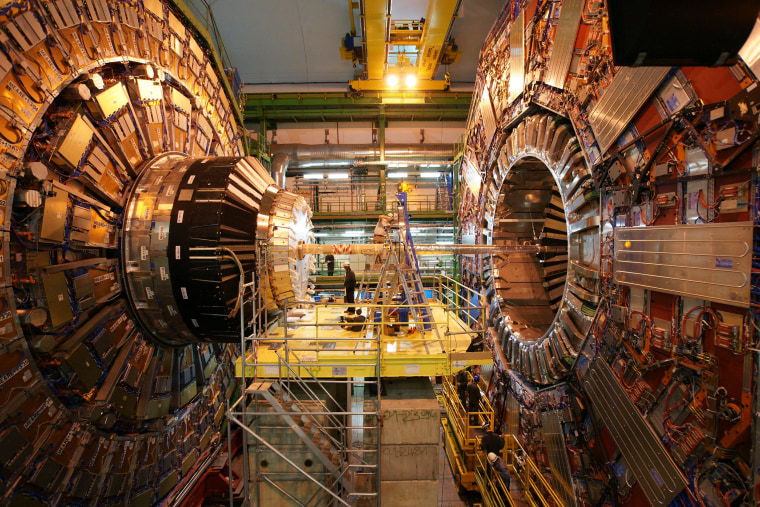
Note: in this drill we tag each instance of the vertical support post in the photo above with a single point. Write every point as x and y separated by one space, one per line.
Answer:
756 427
229 452
455 168
381 141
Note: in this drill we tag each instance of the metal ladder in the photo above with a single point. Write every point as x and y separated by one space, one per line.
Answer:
416 290
404 278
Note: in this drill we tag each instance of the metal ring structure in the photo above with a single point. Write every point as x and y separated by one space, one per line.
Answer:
540 190
108 110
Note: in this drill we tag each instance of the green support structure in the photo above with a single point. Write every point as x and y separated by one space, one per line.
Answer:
308 107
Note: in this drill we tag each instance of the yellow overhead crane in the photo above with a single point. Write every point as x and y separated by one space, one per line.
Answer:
418 47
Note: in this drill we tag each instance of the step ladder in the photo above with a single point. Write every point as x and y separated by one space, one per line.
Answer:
401 275
415 292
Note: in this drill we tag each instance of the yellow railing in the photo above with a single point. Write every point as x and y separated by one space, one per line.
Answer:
461 423
459 297
328 334
491 485
536 489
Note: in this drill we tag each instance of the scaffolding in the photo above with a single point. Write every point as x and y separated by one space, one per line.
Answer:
309 408
298 429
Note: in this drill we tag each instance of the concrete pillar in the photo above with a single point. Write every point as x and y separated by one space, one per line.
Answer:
409 444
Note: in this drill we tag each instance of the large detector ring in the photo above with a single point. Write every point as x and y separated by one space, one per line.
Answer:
540 191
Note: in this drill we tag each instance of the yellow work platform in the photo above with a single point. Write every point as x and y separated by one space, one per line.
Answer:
316 345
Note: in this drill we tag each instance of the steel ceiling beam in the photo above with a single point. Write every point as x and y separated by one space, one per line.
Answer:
376 18
440 16
347 107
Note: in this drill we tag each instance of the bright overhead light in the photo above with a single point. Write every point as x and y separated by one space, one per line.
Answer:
398 174
353 234
338 176
392 80
313 176
410 80
430 174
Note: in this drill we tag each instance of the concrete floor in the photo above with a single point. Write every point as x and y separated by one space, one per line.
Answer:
449 496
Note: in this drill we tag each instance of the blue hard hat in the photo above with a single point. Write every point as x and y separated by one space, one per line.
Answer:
476 378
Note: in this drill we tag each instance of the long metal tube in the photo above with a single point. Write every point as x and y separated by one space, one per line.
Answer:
376 248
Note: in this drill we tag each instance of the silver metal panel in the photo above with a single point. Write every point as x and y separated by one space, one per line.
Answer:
564 42
630 89
487 115
516 58
658 475
551 427
710 261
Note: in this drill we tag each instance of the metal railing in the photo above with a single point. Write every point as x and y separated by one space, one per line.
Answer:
460 298
363 197
535 487
308 402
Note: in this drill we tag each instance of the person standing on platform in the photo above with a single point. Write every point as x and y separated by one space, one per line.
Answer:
492 443
473 399
501 470
349 282
330 260
462 387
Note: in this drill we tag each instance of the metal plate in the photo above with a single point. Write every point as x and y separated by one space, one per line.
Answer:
58 300
74 145
630 88
487 115
659 477
551 427
564 42
517 57
709 261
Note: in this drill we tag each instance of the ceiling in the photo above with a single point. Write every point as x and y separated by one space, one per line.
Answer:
293 45
288 55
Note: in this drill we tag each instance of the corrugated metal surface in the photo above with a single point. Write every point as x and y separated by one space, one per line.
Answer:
513 415
564 42
630 89
658 475
551 427
517 57
708 261
487 115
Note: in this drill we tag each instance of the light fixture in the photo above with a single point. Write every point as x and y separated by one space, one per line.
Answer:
429 174
337 176
353 234
398 175
392 80
410 80
313 176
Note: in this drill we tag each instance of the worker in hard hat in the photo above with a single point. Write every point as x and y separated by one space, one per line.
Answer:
349 282
500 469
